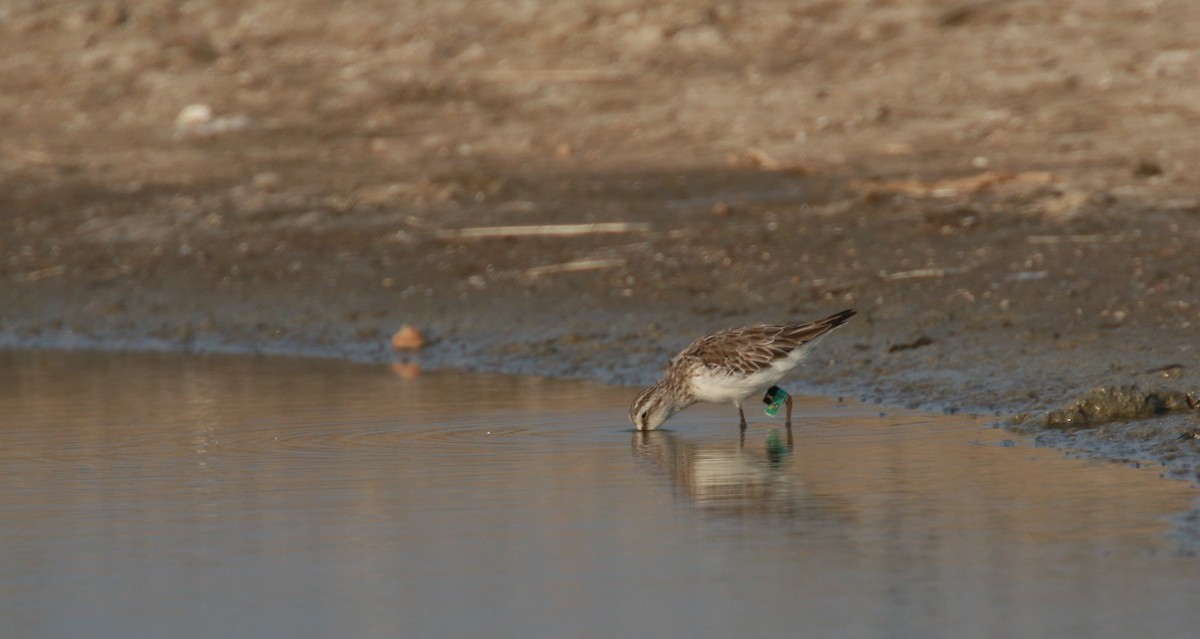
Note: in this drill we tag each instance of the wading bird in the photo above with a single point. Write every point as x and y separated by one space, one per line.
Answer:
730 366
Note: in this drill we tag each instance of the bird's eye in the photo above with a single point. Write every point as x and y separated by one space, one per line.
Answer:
643 415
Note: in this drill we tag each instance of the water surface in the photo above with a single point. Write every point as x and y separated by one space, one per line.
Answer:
180 496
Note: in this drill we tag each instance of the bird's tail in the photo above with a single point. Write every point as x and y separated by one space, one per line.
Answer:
809 331
837 319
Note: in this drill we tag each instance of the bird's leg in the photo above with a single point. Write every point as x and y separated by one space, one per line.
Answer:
789 422
741 415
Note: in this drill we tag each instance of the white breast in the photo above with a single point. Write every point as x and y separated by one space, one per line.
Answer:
710 386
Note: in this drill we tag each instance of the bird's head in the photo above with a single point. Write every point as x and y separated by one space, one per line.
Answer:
653 406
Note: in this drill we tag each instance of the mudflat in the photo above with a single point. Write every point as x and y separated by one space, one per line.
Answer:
1006 192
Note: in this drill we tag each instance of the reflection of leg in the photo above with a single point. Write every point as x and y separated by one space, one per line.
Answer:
741 415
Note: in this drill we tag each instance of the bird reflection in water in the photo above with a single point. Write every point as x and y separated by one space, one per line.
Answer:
733 478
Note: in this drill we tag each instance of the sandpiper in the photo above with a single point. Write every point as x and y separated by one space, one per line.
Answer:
730 365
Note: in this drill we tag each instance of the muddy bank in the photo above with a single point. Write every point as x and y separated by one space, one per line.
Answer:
1006 193
1008 314
1124 423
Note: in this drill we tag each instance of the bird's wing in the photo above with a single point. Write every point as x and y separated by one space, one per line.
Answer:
749 349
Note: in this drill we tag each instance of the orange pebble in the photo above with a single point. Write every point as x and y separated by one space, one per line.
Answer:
408 338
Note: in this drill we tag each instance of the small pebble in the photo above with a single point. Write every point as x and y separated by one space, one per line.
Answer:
193 116
1147 168
408 338
268 181
199 120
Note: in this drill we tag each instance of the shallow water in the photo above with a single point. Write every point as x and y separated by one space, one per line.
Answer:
175 496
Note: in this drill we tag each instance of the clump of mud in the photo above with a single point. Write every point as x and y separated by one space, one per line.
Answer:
1113 423
1110 404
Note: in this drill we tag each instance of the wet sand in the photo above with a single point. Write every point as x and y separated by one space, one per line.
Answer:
249 496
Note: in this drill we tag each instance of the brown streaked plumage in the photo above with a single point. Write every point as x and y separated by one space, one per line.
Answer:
730 365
